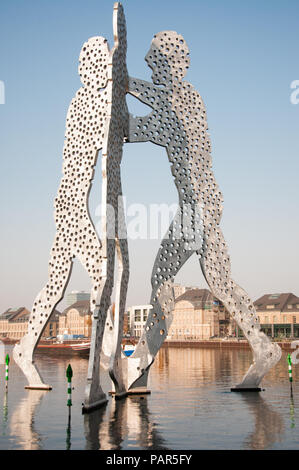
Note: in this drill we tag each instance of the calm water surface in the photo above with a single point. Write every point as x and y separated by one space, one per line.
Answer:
190 407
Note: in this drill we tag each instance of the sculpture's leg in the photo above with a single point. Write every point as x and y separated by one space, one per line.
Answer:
215 266
94 395
171 257
59 271
115 370
100 301
114 326
108 338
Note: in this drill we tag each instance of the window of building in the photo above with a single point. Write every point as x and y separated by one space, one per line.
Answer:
138 315
145 314
270 306
285 319
137 331
290 305
207 305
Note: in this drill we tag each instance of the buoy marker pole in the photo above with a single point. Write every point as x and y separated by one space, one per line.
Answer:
6 371
69 375
289 359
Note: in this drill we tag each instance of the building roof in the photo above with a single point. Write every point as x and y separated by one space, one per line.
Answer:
22 314
83 307
278 302
13 313
198 297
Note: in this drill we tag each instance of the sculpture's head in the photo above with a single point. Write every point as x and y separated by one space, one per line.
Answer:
168 57
93 62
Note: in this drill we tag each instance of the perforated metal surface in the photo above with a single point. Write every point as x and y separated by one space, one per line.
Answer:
178 122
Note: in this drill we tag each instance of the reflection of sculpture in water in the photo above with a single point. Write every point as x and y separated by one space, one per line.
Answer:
128 420
92 424
23 418
95 121
268 427
178 123
141 427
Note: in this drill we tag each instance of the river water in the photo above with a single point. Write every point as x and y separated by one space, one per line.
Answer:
190 407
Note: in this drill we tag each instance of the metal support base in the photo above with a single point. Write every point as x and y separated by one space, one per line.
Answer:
134 391
119 396
243 389
112 393
94 406
139 391
38 387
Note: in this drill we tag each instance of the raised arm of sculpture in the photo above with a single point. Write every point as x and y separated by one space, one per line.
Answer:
139 122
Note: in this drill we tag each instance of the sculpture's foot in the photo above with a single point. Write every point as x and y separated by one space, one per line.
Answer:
139 386
119 392
95 398
266 357
24 361
98 403
119 389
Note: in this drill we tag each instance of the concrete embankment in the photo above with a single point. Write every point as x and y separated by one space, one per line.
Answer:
219 344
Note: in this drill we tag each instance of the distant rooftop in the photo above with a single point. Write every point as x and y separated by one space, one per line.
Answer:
278 302
13 312
198 297
83 307
20 313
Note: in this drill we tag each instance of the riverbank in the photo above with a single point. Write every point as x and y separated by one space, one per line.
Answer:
208 343
219 344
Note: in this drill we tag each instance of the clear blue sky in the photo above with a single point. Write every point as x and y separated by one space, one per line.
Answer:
244 56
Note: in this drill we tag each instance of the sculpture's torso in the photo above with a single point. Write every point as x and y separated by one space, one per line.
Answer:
83 139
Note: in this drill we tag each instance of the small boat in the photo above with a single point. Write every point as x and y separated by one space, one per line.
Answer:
81 347
64 348
128 349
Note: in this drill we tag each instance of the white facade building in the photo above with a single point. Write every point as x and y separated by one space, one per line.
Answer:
137 317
